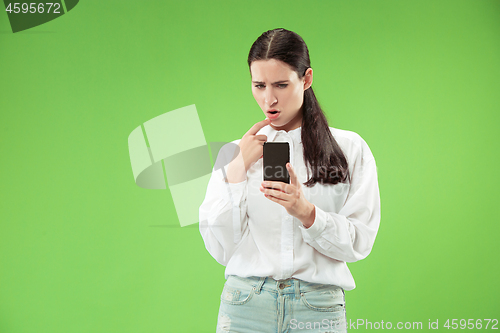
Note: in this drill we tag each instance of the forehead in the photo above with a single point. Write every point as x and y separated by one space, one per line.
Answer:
272 70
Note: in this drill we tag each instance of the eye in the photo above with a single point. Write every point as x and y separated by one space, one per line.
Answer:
259 86
282 85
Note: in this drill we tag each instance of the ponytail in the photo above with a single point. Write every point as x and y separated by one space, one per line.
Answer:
322 154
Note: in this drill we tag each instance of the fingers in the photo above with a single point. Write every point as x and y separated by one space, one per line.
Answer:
257 126
261 137
280 195
277 186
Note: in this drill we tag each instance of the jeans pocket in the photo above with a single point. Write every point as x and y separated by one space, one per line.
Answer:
236 294
329 299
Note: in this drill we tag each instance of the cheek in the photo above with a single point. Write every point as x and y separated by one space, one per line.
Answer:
298 97
258 97
255 95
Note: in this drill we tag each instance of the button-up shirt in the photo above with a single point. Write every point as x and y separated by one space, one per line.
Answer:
254 236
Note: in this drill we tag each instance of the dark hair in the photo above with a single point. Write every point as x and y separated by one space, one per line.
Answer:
322 154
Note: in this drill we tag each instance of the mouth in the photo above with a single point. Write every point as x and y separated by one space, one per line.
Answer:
273 111
273 114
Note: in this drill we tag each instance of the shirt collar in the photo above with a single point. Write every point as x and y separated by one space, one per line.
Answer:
271 133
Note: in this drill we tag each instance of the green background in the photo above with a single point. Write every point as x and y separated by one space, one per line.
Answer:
418 80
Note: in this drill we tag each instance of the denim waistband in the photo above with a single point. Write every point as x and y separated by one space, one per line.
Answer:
287 286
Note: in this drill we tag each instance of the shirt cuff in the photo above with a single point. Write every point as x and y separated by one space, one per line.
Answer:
317 227
236 191
231 192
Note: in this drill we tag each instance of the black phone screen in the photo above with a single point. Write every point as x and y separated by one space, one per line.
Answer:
276 156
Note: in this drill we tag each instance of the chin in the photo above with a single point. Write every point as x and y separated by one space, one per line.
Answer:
279 124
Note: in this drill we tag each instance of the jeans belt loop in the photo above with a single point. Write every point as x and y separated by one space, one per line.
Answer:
297 288
258 286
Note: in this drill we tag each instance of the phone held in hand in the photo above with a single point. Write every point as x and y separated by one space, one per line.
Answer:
276 156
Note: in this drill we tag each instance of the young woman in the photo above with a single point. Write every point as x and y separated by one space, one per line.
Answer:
285 246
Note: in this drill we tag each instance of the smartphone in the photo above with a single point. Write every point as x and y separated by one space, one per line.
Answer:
276 156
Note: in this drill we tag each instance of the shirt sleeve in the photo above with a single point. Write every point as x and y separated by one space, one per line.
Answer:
349 234
223 213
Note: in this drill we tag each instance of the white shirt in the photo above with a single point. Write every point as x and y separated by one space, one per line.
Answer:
254 236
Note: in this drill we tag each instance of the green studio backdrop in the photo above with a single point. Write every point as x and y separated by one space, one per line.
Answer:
84 249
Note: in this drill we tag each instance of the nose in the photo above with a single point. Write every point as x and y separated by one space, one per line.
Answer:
270 98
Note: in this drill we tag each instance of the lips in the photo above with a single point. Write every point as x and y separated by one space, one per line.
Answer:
273 114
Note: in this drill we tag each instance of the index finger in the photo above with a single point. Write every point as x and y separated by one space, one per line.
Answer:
257 126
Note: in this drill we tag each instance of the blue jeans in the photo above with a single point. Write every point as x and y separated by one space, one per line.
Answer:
261 305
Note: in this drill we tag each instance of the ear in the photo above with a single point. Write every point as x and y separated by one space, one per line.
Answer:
308 78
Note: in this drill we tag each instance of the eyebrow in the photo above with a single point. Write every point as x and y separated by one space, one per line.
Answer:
277 82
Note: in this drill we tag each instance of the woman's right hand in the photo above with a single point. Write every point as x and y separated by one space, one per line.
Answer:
251 149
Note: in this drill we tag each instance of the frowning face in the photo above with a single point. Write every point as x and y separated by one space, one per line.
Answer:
279 92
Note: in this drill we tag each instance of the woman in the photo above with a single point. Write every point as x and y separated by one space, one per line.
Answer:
285 246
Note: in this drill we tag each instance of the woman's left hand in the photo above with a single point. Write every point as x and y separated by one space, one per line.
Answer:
291 197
